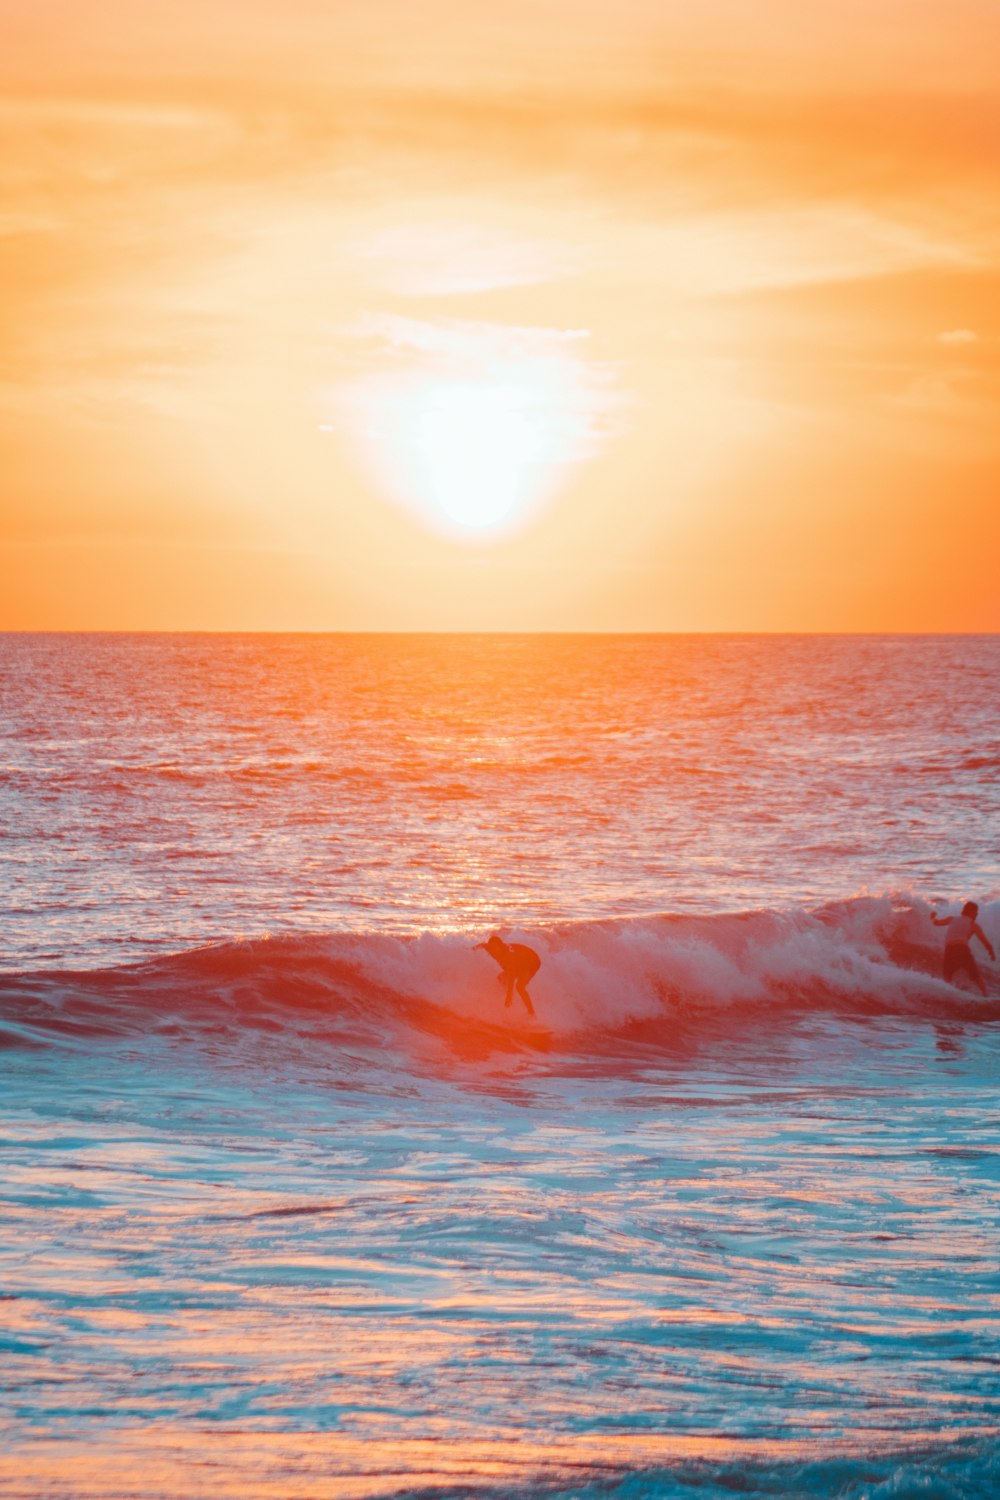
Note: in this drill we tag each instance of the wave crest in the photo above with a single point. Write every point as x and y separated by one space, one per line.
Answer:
866 955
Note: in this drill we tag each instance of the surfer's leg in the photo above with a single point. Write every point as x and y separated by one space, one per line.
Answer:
510 991
959 959
974 974
967 965
525 997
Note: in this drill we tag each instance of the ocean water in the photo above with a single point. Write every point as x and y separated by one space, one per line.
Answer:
292 1206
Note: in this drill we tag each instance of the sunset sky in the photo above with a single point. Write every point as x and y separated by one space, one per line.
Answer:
361 314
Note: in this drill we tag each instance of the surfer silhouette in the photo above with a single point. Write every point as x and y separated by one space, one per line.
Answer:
518 963
958 955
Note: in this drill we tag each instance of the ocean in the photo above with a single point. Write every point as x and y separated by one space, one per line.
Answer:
293 1206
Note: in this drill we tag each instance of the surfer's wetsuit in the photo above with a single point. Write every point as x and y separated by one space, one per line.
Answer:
518 963
523 962
958 955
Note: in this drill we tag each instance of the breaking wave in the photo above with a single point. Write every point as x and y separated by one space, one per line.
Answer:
644 978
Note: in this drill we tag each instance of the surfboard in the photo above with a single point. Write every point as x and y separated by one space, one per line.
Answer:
539 1038
532 1036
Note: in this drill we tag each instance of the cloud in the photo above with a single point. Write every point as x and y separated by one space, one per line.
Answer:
444 256
452 338
958 336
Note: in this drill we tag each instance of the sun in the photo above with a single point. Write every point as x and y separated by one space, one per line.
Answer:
480 426
479 452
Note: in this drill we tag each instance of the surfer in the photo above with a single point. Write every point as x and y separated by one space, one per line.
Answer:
518 963
958 955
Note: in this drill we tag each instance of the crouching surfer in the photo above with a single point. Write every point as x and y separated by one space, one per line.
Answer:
518 963
958 955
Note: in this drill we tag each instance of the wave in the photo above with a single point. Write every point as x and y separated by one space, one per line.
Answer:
639 978
960 1468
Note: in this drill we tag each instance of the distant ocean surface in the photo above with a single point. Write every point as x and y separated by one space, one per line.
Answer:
292 1206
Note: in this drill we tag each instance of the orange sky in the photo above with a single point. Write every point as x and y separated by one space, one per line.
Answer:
537 315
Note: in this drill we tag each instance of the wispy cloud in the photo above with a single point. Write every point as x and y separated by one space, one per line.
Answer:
441 255
450 338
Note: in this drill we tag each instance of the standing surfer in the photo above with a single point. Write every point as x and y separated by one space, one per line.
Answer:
518 963
958 954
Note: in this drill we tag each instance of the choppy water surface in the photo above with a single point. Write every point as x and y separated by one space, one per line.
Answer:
292 1207
158 790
